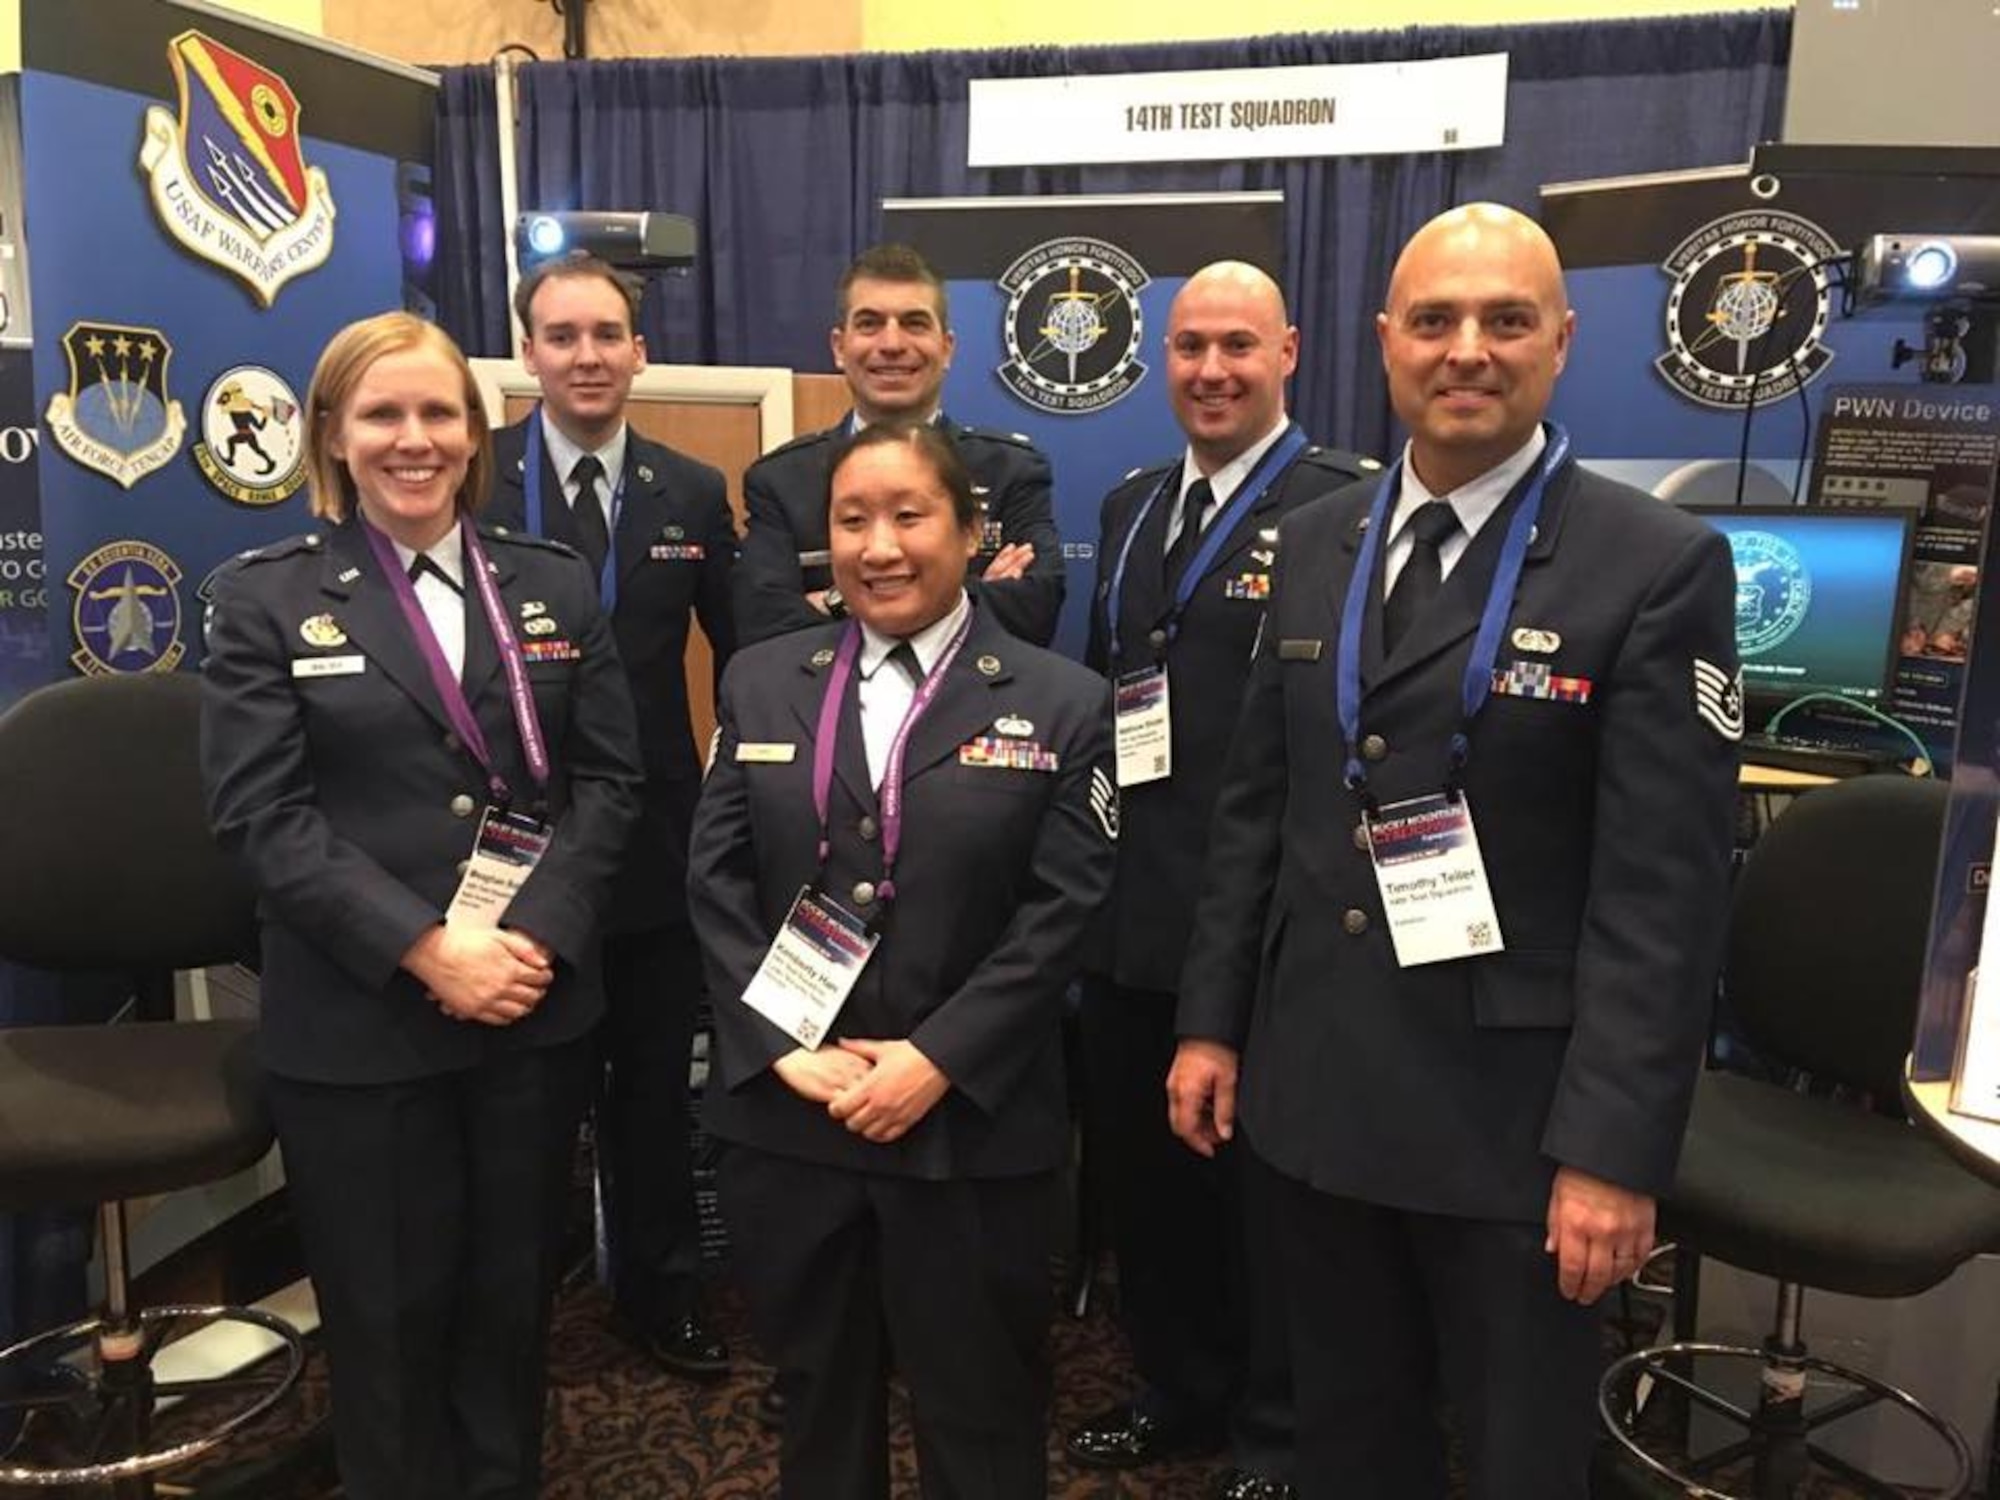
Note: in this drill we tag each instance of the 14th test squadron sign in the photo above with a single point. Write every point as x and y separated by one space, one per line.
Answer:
1347 109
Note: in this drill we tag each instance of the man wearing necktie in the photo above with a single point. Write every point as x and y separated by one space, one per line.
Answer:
1468 1117
655 527
892 342
1209 1358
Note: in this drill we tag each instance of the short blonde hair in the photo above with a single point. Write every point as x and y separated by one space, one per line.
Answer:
347 358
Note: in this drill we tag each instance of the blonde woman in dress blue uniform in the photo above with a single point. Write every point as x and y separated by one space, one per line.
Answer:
906 828
417 738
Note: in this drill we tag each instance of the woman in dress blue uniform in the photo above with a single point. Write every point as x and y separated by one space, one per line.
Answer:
390 702
943 789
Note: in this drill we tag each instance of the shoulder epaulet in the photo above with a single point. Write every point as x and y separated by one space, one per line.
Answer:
1157 471
994 435
1340 461
308 543
507 536
799 443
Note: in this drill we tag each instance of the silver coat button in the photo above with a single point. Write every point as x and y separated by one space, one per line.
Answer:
1374 747
866 828
1361 836
864 893
1355 920
462 805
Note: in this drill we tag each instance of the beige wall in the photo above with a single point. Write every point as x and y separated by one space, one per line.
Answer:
444 31
301 15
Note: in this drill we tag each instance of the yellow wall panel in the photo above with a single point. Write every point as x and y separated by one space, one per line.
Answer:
450 31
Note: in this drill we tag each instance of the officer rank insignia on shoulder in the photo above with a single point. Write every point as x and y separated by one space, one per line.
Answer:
253 436
116 417
229 180
127 611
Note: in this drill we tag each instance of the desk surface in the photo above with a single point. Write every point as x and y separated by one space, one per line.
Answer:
1976 1143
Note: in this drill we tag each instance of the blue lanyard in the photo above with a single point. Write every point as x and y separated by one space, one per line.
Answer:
1277 458
531 485
1478 683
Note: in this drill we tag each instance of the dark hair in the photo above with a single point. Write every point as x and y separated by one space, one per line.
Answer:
573 264
890 263
928 443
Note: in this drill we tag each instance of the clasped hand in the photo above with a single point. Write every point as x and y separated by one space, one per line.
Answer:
880 1090
491 975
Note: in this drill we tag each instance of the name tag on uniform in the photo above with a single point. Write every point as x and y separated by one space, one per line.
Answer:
508 847
1433 880
810 968
328 666
1144 726
765 753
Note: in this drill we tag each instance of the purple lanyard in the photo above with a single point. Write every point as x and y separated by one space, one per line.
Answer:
828 735
450 694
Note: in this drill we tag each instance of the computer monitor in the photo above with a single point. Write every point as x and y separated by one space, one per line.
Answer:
1818 598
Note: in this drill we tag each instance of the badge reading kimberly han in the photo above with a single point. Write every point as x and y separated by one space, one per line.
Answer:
229 179
253 436
127 612
1433 881
116 417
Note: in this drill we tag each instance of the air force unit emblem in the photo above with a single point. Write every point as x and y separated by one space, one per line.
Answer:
253 436
127 612
229 179
116 417
1073 325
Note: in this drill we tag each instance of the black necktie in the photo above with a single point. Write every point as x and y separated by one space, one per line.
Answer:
1423 571
904 655
422 563
1194 510
593 537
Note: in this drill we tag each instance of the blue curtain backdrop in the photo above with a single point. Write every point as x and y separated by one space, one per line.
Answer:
782 163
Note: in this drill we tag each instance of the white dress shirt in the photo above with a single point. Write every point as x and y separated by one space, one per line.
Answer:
1474 502
886 694
563 455
443 606
1224 482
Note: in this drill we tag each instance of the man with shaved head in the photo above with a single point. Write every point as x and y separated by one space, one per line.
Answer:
1184 563
1455 949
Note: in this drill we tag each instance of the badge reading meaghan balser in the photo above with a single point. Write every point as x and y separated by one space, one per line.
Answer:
116 417
229 180
127 611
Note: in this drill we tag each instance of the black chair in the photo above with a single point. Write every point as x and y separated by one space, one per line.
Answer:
1827 935
106 864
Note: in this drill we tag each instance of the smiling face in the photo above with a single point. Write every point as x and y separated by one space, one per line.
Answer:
581 348
893 348
1229 353
406 439
899 548
1476 331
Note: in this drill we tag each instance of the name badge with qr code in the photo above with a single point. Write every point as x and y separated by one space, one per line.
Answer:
1432 880
810 968
503 858
1144 727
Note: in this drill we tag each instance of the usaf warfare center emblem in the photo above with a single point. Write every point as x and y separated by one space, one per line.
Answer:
1748 308
253 436
127 613
1773 589
229 179
1072 325
116 417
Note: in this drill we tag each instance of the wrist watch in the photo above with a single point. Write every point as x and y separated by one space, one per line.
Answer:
836 605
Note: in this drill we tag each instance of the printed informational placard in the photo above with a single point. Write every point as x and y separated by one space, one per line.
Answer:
1226 114
810 968
1433 880
1932 449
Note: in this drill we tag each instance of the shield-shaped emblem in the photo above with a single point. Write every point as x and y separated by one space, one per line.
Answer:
117 416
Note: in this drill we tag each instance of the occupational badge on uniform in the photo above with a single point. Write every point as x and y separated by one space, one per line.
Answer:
1104 802
228 178
1264 555
1541 642
322 631
1537 679
533 607
127 611
253 436
534 651
1718 698
991 751
116 417
348 575
823 657
540 625
645 473
989 666
1247 586
1013 726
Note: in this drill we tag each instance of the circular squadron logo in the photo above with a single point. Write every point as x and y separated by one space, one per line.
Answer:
253 436
1072 325
1773 589
127 612
1748 308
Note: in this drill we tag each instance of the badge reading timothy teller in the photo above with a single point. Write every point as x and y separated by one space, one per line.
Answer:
116 416
228 178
